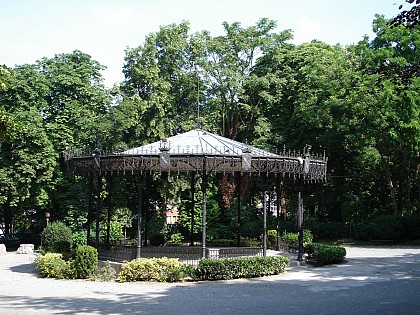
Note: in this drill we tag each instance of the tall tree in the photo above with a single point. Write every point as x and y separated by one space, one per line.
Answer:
77 99
160 85
392 119
26 168
300 90
66 103
228 65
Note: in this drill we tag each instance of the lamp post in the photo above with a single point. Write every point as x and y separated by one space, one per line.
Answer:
246 159
306 165
47 217
164 153
300 225
266 204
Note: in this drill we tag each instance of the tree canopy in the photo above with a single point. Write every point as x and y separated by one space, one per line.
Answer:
359 104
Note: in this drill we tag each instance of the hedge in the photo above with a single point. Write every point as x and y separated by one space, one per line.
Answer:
171 270
153 269
82 265
322 254
241 267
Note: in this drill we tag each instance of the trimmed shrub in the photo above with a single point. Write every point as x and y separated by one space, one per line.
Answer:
241 267
52 265
57 238
85 261
323 254
221 242
154 269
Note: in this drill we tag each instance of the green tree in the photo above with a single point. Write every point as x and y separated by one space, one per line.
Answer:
228 66
55 104
4 74
26 168
159 85
124 217
300 92
76 101
391 118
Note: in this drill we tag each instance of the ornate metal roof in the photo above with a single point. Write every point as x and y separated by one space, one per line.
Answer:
202 151
199 142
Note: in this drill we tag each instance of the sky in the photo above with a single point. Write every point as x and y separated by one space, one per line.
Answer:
104 29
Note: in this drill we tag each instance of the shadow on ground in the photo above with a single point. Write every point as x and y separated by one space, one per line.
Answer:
24 268
361 286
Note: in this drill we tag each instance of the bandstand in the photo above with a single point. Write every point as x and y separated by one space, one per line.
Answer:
201 153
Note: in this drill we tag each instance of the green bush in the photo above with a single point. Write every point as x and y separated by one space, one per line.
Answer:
85 261
292 238
82 266
115 232
271 239
249 242
387 227
52 265
325 229
79 239
154 269
241 267
176 239
322 254
381 227
57 238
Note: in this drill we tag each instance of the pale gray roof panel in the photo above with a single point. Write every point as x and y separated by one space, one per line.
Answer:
200 142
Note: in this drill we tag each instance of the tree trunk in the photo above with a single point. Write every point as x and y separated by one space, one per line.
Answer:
390 182
418 186
7 218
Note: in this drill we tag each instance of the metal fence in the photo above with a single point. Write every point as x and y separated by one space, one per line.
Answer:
189 255
288 248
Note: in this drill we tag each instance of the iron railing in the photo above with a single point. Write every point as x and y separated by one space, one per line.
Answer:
188 255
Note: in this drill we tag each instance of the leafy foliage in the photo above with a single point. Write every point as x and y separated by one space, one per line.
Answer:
52 265
323 254
358 103
292 238
85 261
57 237
156 269
242 267
80 266
409 18
79 239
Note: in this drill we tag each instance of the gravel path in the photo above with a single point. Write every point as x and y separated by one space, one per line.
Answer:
375 280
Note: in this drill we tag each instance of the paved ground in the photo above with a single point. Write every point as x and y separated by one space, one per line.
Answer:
374 280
